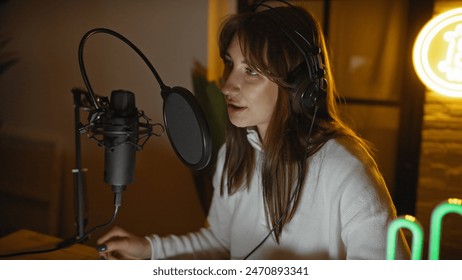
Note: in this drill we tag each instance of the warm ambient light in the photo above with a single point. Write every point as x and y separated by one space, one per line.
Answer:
437 53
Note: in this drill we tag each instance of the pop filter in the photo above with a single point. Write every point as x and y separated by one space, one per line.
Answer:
186 127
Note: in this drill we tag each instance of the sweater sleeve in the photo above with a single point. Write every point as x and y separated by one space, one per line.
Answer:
211 242
202 244
196 245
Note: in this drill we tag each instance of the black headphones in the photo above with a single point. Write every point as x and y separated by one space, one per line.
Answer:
307 79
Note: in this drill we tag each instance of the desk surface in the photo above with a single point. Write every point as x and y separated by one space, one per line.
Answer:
26 240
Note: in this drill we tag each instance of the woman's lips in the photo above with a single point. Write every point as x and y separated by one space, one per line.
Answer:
235 108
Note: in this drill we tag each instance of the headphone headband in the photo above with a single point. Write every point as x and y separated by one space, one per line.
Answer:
309 87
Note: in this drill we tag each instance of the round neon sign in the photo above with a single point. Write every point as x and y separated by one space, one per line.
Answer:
437 53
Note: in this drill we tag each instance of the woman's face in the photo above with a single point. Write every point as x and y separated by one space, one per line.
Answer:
250 96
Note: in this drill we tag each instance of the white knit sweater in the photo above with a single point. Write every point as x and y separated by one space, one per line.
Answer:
344 213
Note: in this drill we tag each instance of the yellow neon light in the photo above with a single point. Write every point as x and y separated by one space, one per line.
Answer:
437 53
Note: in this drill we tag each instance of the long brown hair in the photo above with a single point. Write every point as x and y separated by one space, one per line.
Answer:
288 141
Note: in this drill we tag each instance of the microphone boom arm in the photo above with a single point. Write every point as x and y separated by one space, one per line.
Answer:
163 87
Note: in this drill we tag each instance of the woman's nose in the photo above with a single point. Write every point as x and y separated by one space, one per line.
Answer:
230 86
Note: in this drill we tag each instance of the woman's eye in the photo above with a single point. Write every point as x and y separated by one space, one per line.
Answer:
228 65
250 71
227 62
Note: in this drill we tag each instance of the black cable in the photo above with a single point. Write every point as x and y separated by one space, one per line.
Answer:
297 190
70 241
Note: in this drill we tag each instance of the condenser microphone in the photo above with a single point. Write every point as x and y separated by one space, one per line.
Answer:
119 127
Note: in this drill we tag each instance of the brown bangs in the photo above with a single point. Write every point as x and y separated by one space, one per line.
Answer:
264 45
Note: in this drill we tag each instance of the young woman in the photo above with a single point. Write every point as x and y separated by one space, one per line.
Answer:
292 181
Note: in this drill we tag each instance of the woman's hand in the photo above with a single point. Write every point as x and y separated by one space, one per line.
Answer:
117 243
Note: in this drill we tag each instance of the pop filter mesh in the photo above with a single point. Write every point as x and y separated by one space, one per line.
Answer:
183 128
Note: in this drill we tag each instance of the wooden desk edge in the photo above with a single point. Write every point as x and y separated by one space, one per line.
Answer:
26 240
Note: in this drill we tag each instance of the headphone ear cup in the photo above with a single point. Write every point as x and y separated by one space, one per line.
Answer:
298 82
307 93
313 96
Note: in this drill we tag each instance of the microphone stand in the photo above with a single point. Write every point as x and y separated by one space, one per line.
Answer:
79 179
